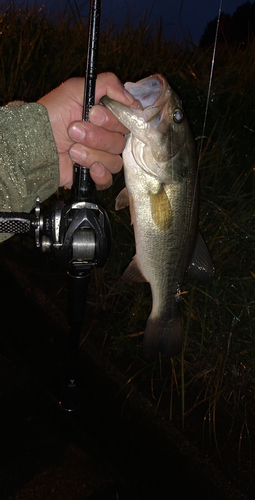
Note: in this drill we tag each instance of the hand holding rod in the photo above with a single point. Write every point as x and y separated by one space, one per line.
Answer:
83 185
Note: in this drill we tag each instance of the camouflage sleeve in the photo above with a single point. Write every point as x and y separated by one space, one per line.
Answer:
28 157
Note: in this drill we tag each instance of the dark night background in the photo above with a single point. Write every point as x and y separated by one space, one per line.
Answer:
190 16
144 429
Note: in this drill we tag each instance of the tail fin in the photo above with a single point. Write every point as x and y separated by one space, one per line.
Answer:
162 336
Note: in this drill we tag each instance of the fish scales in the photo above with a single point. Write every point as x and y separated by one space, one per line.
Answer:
160 169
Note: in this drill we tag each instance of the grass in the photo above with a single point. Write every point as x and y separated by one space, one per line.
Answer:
217 370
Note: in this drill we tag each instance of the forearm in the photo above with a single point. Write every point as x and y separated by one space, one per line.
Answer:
28 157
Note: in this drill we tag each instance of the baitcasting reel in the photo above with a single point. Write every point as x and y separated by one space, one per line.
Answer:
78 234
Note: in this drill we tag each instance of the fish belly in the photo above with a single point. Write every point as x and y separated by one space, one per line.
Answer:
163 256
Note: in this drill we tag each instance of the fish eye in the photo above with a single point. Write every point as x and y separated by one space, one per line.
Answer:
178 115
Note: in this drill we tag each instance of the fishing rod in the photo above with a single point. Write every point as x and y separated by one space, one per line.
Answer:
83 189
79 235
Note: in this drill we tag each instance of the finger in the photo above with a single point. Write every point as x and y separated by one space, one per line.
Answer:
86 157
101 176
101 116
109 84
95 137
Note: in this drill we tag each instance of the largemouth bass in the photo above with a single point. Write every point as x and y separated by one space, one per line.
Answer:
161 177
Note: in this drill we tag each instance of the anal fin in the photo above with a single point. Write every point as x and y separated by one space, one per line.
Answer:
133 273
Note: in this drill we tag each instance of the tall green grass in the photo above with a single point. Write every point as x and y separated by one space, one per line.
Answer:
217 370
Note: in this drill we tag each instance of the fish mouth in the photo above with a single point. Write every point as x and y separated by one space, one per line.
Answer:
153 94
148 91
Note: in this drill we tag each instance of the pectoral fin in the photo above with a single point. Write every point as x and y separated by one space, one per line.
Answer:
133 273
201 265
161 210
122 199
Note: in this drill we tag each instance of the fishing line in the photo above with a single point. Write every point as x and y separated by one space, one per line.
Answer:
210 82
199 159
208 95
207 103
